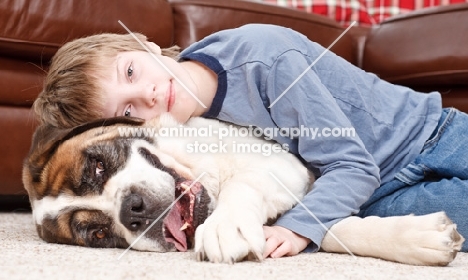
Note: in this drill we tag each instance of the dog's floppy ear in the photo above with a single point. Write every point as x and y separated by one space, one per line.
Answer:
47 139
103 122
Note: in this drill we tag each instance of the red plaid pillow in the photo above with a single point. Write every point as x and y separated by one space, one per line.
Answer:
364 12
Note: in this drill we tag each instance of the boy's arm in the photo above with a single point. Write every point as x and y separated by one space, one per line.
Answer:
347 172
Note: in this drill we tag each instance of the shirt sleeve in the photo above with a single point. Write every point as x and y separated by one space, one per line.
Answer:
347 173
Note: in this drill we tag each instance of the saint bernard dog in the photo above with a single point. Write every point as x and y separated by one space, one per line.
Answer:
97 185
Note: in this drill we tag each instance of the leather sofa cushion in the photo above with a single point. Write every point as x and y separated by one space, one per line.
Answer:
17 125
38 28
21 81
196 19
425 48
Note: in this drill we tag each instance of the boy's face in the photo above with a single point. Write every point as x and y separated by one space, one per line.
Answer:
138 85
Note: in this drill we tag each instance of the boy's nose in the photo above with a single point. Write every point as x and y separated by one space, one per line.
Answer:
150 93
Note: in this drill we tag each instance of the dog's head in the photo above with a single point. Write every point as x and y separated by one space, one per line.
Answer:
98 185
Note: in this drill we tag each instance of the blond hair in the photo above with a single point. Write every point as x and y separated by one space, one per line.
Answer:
71 94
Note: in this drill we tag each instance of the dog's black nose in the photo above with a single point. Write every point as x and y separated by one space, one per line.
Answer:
133 213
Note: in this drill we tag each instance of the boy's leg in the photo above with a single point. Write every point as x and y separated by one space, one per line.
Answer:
437 180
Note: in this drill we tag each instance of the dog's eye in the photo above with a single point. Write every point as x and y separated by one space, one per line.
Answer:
100 234
99 167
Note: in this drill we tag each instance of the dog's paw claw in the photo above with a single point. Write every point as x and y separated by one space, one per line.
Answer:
200 256
259 256
456 238
255 256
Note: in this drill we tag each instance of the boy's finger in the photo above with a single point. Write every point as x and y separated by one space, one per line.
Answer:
271 241
283 250
270 245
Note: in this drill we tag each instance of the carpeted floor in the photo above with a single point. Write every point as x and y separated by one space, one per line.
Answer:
24 256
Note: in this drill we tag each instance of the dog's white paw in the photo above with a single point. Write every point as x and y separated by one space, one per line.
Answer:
229 237
433 238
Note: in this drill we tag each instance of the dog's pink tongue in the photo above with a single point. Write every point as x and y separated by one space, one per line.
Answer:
173 223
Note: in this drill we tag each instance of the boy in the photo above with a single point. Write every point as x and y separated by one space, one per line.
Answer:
405 147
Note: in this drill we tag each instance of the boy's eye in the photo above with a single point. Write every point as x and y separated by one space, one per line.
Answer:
128 112
130 71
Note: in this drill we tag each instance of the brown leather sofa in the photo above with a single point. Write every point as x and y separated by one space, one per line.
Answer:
426 50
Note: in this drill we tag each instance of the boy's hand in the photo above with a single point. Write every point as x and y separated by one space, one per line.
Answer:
281 242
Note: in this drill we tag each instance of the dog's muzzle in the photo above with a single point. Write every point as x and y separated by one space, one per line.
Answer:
181 218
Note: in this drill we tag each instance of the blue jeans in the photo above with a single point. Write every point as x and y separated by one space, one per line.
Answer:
437 180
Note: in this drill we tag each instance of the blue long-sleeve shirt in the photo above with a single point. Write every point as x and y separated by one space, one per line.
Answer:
256 63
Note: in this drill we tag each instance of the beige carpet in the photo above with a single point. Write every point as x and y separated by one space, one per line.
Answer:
24 256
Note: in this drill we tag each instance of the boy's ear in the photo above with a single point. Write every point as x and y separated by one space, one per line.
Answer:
153 48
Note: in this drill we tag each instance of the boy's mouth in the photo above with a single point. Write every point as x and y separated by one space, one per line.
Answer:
170 96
